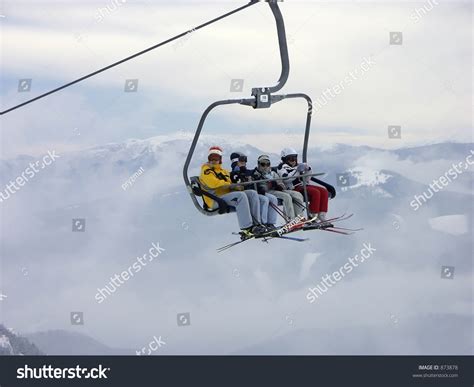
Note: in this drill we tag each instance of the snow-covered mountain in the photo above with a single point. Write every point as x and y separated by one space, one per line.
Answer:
61 342
13 344
117 162
238 298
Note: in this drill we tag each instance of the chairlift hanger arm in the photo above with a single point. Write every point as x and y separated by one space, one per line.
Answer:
247 102
244 101
282 43
263 95
281 97
308 121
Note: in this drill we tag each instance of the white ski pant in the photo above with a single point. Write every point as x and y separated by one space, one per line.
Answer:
267 208
260 207
252 208
293 202
240 201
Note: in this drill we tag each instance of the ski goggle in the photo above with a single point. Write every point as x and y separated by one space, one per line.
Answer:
292 158
264 164
243 159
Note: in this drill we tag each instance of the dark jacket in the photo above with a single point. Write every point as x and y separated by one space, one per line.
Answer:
241 175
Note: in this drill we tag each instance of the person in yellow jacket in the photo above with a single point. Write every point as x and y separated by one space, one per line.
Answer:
216 180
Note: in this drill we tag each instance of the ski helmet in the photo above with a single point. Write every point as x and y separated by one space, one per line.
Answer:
288 152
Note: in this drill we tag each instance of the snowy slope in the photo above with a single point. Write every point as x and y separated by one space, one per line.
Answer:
14 344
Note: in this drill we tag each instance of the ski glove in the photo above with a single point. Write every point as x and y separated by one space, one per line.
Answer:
280 187
301 167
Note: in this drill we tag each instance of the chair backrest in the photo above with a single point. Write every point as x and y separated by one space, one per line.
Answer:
222 206
329 187
196 185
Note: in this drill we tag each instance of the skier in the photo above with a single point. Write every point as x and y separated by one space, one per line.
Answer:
318 197
216 180
240 174
293 202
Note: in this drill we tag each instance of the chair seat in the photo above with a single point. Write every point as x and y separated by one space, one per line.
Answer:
223 208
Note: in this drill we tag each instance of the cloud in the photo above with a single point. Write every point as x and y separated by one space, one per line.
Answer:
451 224
264 302
308 262
177 82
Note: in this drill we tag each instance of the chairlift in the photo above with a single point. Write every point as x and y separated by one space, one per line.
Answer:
261 98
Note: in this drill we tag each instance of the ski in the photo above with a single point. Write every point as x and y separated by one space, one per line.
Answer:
287 237
289 227
292 226
220 249
270 237
330 229
347 229
277 233
325 224
339 218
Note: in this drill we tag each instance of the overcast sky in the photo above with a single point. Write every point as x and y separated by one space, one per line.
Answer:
423 85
